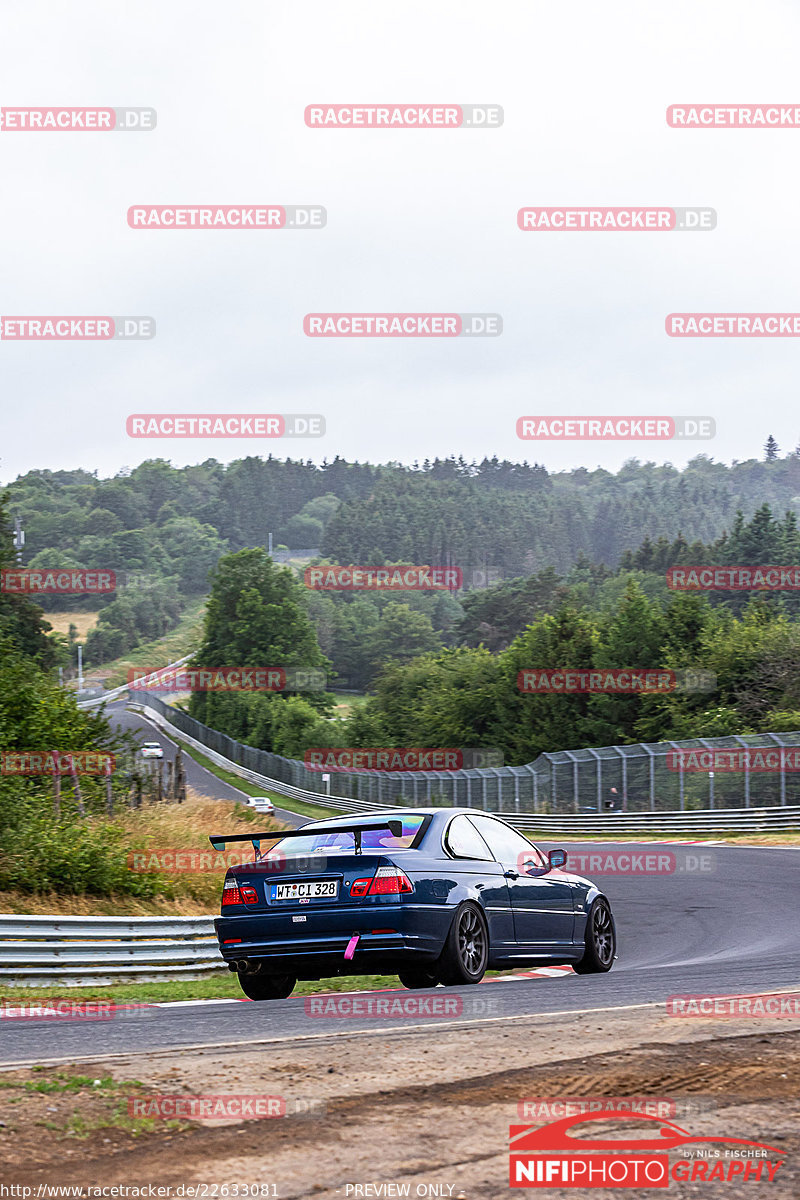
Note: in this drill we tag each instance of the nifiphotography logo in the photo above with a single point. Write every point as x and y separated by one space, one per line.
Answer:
574 1152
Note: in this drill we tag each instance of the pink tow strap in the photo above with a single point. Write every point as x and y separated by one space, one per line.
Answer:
351 946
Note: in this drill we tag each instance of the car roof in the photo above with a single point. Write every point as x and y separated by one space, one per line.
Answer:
399 813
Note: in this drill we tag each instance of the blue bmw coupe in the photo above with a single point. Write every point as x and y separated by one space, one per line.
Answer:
432 895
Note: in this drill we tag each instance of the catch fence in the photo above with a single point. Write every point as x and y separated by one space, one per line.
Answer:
640 778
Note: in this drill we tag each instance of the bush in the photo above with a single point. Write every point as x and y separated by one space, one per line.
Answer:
47 854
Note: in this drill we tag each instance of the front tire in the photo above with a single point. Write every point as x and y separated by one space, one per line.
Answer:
466 951
267 987
414 978
601 940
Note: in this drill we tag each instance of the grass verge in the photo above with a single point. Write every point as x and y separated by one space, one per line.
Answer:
180 641
316 812
219 987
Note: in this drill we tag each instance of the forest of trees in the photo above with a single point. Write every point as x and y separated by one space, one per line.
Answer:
167 528
514 517
467 694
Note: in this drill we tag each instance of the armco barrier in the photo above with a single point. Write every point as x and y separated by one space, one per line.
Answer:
43 951
116 692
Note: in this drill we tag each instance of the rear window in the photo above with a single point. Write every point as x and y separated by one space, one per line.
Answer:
331 839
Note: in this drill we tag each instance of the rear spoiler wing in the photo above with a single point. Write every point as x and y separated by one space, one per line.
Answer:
220 840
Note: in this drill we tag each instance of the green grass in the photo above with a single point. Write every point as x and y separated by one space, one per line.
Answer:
317 812
219 987
67 1083
180 641
114 1095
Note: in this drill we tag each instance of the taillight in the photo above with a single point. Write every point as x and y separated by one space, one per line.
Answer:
249 893
388 881
231 893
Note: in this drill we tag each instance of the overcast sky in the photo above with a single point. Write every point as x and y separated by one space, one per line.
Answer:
417 221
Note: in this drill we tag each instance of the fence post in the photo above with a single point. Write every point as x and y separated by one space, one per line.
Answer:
76 787
56 783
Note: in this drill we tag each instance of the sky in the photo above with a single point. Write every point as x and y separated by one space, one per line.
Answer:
417 221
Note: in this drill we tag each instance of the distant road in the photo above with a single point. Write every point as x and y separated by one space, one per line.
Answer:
197 777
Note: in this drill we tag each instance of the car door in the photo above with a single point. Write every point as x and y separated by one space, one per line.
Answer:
471 857
541 901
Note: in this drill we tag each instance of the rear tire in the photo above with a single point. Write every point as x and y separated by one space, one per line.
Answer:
416 977
601 940
466 951
267 987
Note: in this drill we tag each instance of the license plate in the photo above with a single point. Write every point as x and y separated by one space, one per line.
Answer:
307 889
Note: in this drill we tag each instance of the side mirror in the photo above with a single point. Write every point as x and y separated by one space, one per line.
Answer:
557 859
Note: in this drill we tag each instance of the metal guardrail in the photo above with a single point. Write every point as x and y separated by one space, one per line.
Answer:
116 692
703 821
44 950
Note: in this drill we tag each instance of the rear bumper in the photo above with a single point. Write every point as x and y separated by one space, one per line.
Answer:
418 934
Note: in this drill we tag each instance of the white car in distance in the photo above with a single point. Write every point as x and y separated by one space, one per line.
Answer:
152 750
262 804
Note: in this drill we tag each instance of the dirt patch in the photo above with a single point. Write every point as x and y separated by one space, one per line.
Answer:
420 1108
83 622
